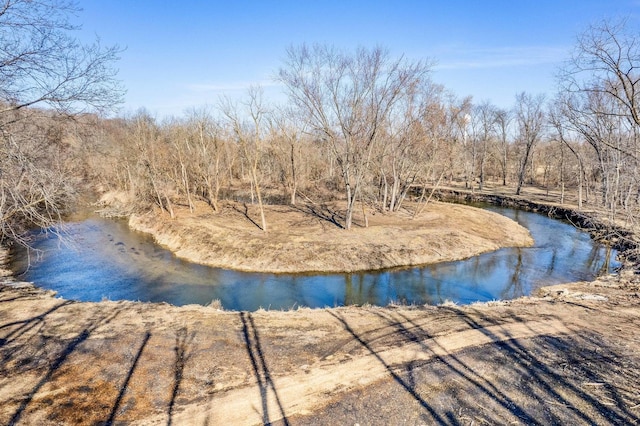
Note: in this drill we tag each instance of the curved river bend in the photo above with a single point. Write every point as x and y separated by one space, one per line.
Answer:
108 261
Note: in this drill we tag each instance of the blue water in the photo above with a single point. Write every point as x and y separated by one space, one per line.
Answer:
106 260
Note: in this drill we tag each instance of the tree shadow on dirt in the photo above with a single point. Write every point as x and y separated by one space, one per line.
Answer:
322 212
541 380
417 334
583 357
260 369
408 385
21 328
6 287
125 383
184 340
54 363
245 213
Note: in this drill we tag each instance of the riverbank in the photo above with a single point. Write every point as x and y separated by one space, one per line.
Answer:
620 232
569 355
308 237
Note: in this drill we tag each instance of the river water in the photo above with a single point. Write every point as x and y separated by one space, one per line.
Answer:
106 260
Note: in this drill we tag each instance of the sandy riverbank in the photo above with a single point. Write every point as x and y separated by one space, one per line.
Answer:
306 238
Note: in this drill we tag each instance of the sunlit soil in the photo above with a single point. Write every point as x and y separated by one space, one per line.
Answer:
309 237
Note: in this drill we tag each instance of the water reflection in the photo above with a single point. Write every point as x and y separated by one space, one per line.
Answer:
108 261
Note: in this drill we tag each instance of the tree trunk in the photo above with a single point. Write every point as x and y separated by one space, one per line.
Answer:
294 184
349 214
169 207
504 168
385 193
351 198
254 176
523 168
187 189
364 214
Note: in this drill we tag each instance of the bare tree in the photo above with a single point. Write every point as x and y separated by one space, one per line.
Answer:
605 62
482 122
42 63
457 137
529 116
35 184
562 129
249 132
184 160
405 156
601 88
288 131
503 122
348 98
209 157
153 167
43 66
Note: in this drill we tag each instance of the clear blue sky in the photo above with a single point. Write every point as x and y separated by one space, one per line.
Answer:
182 54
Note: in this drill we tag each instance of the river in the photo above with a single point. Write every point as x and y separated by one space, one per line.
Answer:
104 260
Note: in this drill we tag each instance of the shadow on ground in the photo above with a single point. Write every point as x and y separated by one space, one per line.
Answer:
114 363
575 379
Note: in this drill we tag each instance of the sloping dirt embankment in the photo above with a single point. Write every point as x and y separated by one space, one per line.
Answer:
308 238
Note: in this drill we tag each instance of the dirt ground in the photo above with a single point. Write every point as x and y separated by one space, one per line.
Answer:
568 355
308 237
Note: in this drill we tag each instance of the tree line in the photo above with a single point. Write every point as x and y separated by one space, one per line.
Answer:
361 126
371 130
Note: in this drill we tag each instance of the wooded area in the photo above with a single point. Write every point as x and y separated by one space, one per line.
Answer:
359 126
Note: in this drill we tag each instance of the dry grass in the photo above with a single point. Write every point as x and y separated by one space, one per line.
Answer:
133 363
308 238
569 355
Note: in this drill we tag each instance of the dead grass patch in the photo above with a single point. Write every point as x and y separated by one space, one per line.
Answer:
308 238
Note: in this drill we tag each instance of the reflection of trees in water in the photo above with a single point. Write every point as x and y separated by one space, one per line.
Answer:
595 260
379 290
514 285
260 291
363 288
551 267
521 219
504 275
402 286
576 245
434 282
296 291
561 253
480 267
414 286
474 277
607 261
351 296
427 281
